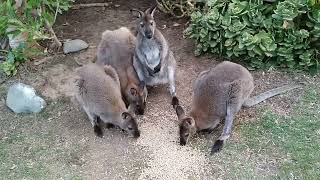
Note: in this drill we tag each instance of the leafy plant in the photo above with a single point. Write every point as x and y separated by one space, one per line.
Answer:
284 33
30 20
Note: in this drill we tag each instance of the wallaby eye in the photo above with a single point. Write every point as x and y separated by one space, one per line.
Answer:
130 128
151 23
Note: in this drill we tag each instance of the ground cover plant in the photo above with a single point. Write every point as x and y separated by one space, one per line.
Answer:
282 33
27 22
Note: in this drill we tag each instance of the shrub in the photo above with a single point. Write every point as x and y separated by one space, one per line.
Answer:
28 20
284 33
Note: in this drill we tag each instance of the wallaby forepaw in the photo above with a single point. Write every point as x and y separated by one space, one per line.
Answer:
98 131
217 146
109 125
175 101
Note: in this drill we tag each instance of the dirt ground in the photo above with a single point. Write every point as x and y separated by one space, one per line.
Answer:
156 154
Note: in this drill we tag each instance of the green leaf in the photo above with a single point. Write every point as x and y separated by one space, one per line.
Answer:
229 34
226 20
237 26
10 57
228 42
238 7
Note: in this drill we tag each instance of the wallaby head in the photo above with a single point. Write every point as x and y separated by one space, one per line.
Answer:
187 126
137 95
146 24
130 125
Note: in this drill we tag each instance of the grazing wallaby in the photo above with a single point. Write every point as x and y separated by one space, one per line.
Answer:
153 61
98 92
116 49
218 94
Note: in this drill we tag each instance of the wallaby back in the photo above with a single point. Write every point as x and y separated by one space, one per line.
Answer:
213 88
116 49
99 89
98 92
219 93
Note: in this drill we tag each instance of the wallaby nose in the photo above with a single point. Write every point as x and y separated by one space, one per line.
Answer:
182 142
136 134
149 35
140 111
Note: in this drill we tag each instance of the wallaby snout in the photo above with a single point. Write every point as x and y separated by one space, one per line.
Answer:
183 142
136 134
130 125
148 33
140 109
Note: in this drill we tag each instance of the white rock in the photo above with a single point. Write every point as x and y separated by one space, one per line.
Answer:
22 98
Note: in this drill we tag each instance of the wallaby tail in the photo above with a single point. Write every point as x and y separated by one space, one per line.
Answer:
263 96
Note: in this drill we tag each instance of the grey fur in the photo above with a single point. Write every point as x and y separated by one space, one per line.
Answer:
98 93
116 49
218 94
151 52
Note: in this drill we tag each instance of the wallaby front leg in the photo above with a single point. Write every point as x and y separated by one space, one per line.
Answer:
233 105
138 68
95 121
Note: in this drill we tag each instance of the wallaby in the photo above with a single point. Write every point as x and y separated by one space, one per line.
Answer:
116 49
153 61
98 92
218 94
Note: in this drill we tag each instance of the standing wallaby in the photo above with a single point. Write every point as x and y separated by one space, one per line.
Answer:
153 61
218 94
98 92
116 49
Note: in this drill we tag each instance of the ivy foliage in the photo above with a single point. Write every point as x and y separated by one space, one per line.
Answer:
284 33
27 20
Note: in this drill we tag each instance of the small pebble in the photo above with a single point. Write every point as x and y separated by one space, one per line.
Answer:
74 46
176 24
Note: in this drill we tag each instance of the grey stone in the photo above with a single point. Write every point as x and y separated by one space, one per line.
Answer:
22 98
74 46
4 42
3 76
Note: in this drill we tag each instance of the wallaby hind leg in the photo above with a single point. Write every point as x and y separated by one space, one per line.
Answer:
225 133
96 122
171 77
233 105
172 74
98 127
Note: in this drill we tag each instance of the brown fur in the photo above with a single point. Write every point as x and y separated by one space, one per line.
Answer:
116 49
218 94
98 92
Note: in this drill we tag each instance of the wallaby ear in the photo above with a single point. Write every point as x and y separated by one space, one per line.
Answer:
188 122
151 10
180 112
133 92
136 13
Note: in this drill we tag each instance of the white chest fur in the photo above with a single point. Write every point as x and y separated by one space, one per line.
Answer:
151 51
